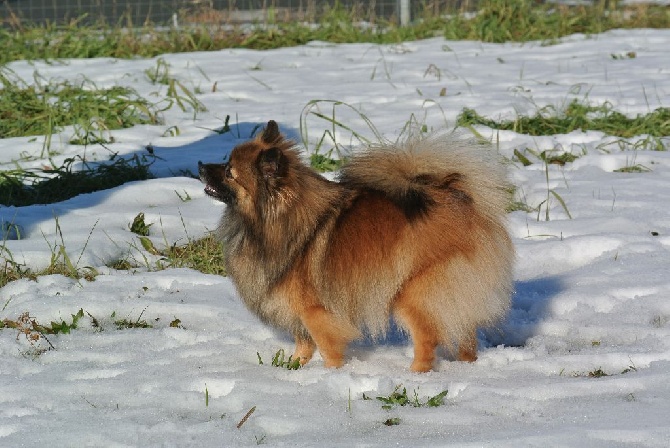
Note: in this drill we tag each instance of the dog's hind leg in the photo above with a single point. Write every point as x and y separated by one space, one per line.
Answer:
467 347
412 314
435 307
423 334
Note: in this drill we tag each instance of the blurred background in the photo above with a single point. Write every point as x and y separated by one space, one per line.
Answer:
213 12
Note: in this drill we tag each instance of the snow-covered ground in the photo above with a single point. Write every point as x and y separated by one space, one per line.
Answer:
592 292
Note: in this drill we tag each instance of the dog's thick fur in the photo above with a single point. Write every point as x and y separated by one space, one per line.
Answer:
416 231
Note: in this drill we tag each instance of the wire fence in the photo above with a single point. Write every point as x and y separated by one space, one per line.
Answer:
206 12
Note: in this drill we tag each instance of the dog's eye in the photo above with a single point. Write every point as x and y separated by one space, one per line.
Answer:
228 172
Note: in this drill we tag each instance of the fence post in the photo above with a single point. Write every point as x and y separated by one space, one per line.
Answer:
404 12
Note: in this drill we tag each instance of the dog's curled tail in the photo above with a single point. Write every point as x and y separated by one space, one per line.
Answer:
439 170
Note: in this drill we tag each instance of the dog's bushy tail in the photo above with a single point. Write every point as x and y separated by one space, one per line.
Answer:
438 170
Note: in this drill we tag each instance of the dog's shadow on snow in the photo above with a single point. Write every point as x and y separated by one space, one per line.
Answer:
531 303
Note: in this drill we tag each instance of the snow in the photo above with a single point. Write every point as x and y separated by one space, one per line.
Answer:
592 292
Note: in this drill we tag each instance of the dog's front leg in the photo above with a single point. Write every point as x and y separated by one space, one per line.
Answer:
331 333
304 349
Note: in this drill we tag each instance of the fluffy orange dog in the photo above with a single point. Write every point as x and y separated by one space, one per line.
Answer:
416 230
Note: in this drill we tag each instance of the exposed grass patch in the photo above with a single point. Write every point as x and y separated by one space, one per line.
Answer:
597 373
393 421
551 193
60 262
549 157
399 397
496 21
524 20
329 152
176 323
515 206
74 177
122 324
34 332
46 106
139 226
127 323
637 168
27 326
177 93
280 360
578 116
12 270
324 163
160 73
600 373
76 40
205 255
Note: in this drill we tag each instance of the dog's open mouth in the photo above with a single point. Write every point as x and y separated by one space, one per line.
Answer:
211 191
206 177
210 175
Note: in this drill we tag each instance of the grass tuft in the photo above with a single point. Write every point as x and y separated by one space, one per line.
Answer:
280 360
400 398
329 151
638 168
128 323
34 332
205 255
139 226
578 116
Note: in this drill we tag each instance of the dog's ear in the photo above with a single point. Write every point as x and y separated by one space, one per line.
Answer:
271 133
272 163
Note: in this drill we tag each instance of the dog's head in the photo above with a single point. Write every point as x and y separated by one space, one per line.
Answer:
255 173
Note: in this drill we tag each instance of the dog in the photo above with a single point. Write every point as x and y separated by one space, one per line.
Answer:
413 231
